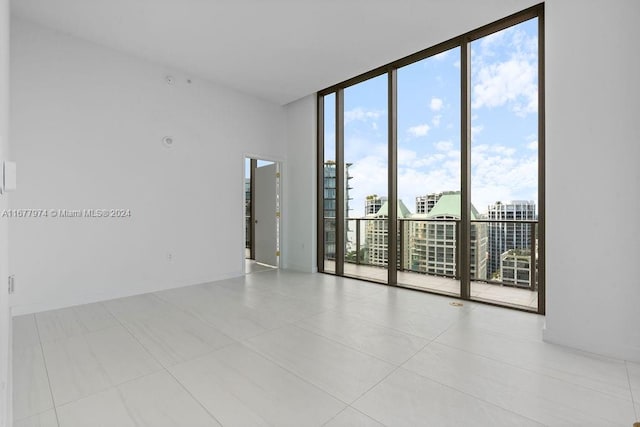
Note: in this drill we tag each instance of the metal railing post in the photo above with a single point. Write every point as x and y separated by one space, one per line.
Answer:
458 250
358 241
532 267
401 244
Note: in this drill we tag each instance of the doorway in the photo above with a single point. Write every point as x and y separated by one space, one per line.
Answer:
262 214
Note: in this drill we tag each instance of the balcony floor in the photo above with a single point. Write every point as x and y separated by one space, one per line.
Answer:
507 295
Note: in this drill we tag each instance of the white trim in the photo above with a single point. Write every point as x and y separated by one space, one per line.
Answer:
598 346
72 300
276 159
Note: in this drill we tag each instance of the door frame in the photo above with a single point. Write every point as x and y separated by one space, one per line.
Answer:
279 180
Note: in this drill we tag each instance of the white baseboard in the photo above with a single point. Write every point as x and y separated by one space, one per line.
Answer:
87 298
600 347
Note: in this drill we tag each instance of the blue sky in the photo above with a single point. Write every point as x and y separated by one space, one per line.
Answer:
504 124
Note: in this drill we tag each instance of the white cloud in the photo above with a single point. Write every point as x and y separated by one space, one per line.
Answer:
432 173
408 159
420 130
436 120
414 182
533 145
369 176
360 114
357 148
487 43
475 130
444 145
511 81
441 56
497 173
501 149
436 104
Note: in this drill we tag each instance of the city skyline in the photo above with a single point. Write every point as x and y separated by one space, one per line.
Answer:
429 238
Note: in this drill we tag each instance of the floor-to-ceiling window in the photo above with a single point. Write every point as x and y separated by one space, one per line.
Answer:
504 165
328 184
432 168
428 165
365 179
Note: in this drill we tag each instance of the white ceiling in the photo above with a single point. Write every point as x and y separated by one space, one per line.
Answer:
278 50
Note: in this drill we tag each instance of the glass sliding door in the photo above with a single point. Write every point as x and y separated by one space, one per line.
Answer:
428 105
504 166
365 179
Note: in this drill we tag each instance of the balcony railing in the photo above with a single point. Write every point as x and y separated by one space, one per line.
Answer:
503 254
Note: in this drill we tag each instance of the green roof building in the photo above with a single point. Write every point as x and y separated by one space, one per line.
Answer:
433 241
377 234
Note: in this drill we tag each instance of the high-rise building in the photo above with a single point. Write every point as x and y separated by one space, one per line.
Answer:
504 236
425 203
433 241
377 233
330 206
515 267
373 203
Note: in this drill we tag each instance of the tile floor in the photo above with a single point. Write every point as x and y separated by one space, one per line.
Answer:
277 348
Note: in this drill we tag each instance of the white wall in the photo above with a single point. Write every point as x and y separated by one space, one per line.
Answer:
593 176
5 317
299 213
87 125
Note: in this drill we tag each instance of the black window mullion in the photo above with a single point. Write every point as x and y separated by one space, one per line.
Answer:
465 169
392 166
340 183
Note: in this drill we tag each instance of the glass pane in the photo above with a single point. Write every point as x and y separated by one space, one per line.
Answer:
329 183
504 165
366 153
429 172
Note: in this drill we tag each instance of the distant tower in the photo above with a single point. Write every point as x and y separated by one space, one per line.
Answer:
373 203
515 267
377 233
433 243
330 206
425 203
506 236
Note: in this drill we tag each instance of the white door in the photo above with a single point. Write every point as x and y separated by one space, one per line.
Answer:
265 221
